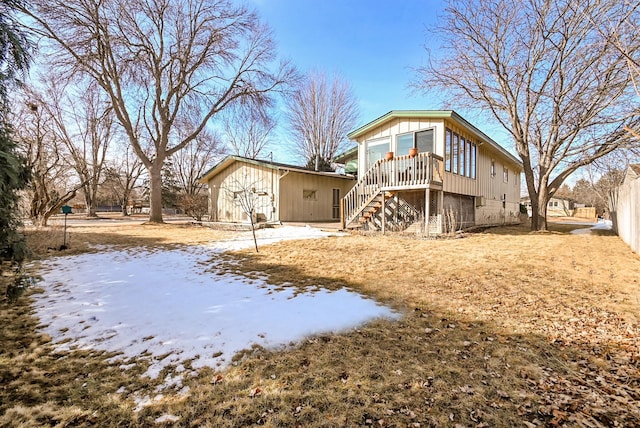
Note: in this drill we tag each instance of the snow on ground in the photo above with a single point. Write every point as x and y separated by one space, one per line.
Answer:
163 302
600 225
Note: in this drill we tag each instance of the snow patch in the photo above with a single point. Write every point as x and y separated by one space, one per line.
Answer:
167 306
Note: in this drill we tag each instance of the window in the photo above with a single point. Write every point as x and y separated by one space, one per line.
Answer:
493 168
454 160
309 195
404 142
447 151
505 175
424 141
474 152
376 150
468 158
462 156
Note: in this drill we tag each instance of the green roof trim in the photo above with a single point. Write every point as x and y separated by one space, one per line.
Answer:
435 114
347 153
432 114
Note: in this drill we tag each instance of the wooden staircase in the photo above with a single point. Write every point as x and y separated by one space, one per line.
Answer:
379 187
374 207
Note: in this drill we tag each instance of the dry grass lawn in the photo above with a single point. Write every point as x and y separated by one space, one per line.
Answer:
500 328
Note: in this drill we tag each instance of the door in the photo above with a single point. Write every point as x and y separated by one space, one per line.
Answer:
336 205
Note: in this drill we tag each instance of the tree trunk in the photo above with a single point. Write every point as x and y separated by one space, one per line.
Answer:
539 201
123 207
155 196
90 190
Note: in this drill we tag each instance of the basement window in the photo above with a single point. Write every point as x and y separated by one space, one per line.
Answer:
309 195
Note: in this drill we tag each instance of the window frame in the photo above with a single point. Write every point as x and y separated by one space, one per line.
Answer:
448 142
414 140
376 142
460 155
313 194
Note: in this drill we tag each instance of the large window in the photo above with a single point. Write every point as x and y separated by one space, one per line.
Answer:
422 140
404 142
460 155
376 150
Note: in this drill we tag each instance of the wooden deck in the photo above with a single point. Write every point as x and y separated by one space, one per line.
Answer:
423 171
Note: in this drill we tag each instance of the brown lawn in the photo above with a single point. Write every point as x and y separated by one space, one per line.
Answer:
500 328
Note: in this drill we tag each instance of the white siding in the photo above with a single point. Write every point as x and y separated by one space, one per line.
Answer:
627 213
492 189
397 126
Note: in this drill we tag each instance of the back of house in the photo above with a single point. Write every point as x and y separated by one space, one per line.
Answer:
430 169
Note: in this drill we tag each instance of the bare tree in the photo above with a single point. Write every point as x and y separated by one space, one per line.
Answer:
84 122
247 131
623 36
189 165
195 159
161 60
122 176
245 195
547 75
320 114
51 184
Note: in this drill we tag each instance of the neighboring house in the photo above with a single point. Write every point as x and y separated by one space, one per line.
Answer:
558 206
625 202
282 192
459 177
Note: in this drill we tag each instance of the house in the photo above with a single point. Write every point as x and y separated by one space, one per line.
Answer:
558 206
625 204
431 168
279 192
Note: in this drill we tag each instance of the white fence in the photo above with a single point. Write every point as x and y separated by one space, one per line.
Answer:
626 218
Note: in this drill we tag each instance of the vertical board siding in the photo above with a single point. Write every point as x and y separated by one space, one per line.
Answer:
487 190
280 194
627 212
293 207
397 126
493 188
237 175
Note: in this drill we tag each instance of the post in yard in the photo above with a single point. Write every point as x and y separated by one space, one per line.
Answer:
66 210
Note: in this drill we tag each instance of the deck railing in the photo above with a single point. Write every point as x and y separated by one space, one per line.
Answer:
400 173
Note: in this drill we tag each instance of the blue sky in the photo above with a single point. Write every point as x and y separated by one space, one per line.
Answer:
372 44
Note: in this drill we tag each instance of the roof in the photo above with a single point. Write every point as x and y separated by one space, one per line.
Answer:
346 154
432 114
216 169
